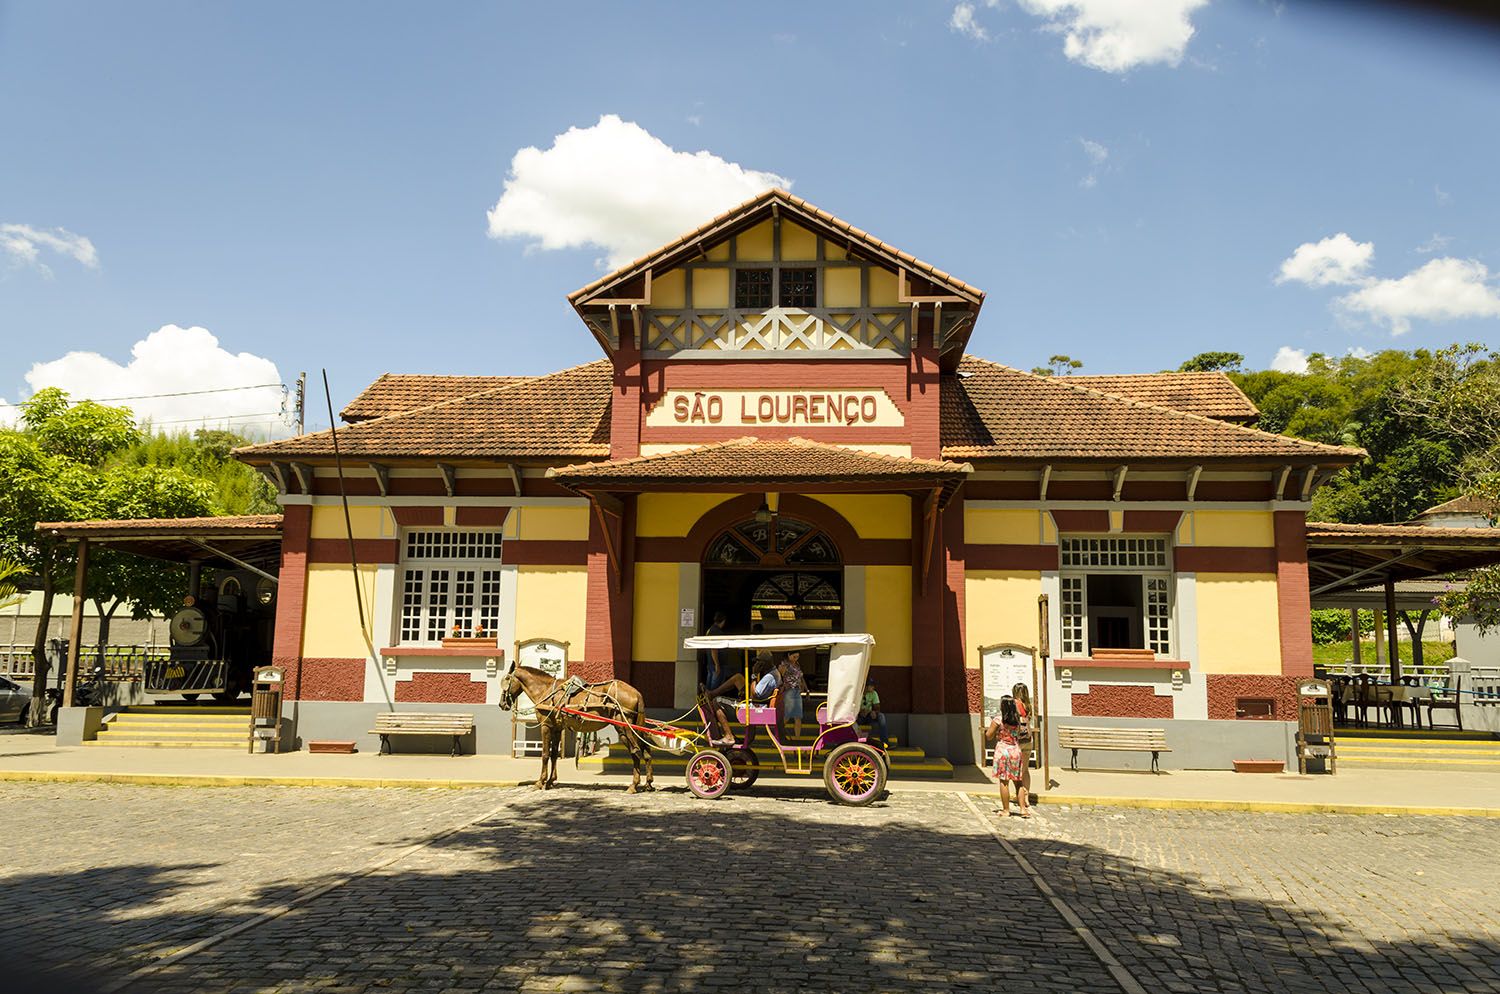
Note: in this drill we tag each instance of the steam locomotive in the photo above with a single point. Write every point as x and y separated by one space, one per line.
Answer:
218 637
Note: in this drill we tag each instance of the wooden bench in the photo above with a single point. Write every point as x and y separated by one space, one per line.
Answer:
1152 740
389 723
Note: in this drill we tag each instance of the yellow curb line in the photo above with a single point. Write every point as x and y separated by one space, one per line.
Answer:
209 780
1268 807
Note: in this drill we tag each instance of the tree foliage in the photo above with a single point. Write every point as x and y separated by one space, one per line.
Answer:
205 455
1058 365
1213 362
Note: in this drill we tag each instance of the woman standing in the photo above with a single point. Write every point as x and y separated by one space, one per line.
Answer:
792 687
1010 761
1024 732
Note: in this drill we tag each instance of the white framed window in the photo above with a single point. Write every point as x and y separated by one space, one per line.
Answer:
1116 594
450 584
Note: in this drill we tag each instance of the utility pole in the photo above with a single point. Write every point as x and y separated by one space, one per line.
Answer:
302 403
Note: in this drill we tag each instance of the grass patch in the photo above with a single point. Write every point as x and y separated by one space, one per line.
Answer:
1335 653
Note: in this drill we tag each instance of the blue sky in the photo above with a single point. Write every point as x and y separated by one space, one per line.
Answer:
310 182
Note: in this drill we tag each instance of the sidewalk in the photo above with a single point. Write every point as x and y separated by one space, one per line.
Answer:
1355 791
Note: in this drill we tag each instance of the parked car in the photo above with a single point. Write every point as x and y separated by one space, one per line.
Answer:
15 700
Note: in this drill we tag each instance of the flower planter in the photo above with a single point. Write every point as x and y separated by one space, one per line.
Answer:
1259 766
470 642
327 746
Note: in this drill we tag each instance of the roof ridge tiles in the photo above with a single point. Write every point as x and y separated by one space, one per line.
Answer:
1189 416
370 424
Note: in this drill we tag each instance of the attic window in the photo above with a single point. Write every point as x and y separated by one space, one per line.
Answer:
752 289
799 287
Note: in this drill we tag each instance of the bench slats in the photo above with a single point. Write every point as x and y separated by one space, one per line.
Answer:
389 723
1075 737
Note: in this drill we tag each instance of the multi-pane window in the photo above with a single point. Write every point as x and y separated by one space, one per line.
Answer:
1116 594
450 585
799 287
752 289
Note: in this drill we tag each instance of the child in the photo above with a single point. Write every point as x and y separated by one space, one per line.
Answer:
1010 761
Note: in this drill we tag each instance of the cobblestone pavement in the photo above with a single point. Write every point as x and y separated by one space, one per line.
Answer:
1195 901
586 888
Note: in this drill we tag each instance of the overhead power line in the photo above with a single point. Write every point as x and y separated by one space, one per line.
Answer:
179 393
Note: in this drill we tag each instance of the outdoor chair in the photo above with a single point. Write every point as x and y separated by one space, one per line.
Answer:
1371 696
1448 700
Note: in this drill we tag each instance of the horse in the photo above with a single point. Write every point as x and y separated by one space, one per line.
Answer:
613 699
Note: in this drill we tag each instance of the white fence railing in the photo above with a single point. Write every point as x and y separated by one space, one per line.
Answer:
121 662
1427 673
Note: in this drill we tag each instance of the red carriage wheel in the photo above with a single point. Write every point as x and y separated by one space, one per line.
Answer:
708 774
854 774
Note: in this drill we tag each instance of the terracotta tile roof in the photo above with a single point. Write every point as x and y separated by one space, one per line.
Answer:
1470 504
1399 536
397 392
797 204
561 415
1212 395
760 462
992 411
244 524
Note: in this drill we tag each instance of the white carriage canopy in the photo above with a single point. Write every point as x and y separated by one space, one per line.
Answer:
848 662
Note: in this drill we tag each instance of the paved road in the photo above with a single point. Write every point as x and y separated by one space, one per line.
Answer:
586 888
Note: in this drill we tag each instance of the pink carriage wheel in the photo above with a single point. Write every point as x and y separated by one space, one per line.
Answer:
854 774
708 774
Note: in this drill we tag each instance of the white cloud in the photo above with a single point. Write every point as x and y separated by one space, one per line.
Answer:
23 245
1118 35
1289 360
1097 154
1435 244
617 186
1338 259
1443 289
174 360
964 22
1444 198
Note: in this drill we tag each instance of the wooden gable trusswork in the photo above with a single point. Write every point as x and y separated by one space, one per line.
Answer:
854 293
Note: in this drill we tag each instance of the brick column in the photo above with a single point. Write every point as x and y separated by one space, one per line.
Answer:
1292 599
955 680
291 595
927 628
608 634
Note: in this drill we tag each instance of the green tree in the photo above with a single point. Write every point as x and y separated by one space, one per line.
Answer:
1058 365
205 454
1211 362
87 432
121 579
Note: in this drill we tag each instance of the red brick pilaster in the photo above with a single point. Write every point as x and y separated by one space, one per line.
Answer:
1292 598
955 689
291 594
923 383
608 630
927 622
625 409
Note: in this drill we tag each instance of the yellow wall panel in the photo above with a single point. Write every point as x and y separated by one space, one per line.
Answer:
655 629
873 515
667 289
883 289
999 606
553 523
710 288
368 522
673 515
987 526
841 286
552 602
1238 630
797 243
1242 528
888 613
754 245
719 252
330 626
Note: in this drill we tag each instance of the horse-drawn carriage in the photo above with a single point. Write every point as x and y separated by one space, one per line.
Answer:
854 770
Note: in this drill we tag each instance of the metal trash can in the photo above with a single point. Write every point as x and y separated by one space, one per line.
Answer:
265 709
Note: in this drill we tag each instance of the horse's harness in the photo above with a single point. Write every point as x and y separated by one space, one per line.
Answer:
570 687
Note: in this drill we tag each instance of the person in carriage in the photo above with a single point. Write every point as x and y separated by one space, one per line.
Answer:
767 677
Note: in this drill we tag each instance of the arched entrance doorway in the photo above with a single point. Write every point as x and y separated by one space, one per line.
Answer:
776 571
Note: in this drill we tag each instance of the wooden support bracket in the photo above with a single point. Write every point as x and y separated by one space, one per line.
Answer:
304 476
450 478
382 477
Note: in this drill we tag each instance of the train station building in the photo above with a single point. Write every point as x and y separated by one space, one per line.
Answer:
787 425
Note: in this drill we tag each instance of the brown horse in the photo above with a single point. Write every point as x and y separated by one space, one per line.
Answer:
613 699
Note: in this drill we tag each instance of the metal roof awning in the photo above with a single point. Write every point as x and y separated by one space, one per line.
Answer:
252 540
1349 560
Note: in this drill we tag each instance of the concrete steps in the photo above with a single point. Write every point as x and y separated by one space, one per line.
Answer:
176 727
1474 752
